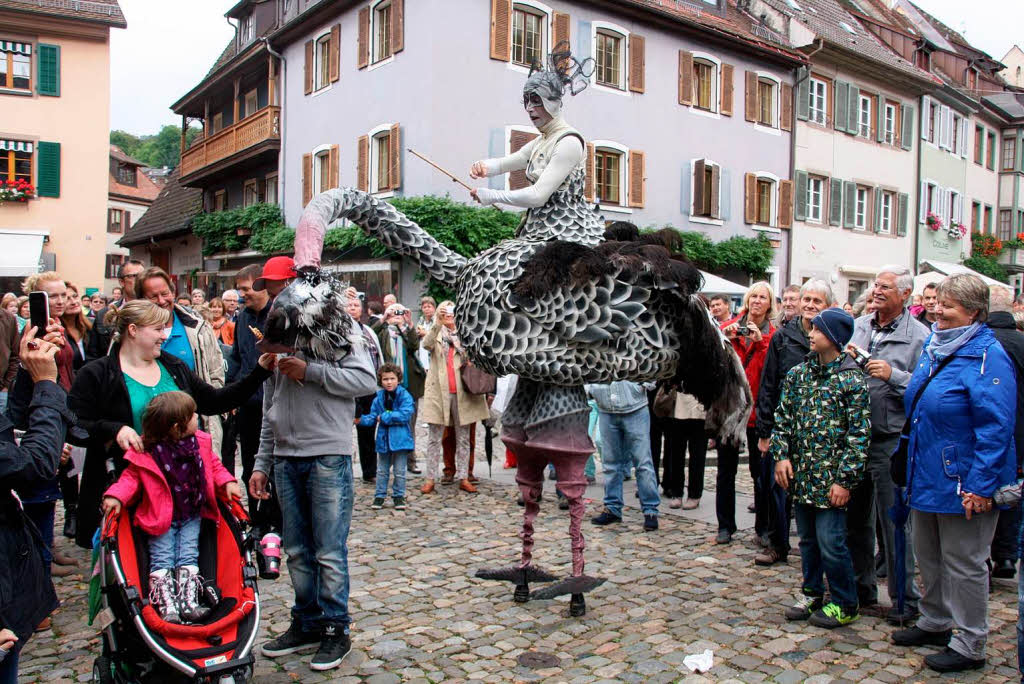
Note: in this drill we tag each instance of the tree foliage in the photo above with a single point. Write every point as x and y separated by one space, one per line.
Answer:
158 150
753 256
267 232
987 266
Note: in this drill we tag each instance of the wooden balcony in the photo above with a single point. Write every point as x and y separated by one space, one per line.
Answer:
249 137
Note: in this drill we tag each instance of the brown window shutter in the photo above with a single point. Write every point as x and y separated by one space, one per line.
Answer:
786 108
727 73
560 28
716 191
308 67
636 178
750 97
517 179
397 26
636 63
588 183
685 77
785 204
698 188
362 163
501 29
332 162
335 52
126 220
364 38
749 197
307 178
395 154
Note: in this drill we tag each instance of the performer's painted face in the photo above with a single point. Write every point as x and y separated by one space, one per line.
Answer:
534 105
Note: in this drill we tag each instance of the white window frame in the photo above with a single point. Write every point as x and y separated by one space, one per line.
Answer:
317 152
864 118
773 128
254 184
539 8
820 207
716 86
246 29
270 183
889 135
709 220
373 37
954 140
324 87
374 160
773 212
954 207
813 98
595 28
888 206
254 92
624 207
860 210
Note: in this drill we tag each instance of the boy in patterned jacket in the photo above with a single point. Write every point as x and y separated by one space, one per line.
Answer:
820 445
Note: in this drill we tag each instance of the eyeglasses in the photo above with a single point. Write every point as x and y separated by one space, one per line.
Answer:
883 288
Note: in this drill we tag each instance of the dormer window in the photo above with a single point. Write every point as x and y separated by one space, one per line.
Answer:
246 30
126 174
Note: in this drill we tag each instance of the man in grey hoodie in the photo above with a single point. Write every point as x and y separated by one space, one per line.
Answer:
308 412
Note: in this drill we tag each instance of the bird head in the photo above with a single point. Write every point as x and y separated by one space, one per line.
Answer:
309 316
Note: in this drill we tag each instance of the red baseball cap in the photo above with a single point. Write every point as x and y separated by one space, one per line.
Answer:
276 268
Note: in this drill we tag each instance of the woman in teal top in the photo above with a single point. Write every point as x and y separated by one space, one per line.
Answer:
110 393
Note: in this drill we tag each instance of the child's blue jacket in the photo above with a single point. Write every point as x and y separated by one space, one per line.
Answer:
393 432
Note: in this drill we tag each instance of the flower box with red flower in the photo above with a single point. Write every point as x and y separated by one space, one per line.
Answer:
933 222
18 190
956 231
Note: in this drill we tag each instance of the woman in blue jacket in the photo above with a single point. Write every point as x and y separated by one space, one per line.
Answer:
960 452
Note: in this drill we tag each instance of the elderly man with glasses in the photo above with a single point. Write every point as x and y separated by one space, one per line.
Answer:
894 340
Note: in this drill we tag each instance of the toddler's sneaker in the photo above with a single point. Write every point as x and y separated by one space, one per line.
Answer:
378 503
163 595
804 608
399 503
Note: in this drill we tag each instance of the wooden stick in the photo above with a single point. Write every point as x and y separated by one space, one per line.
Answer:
447 173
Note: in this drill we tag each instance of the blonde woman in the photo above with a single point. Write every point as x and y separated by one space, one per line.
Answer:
109 396
445 401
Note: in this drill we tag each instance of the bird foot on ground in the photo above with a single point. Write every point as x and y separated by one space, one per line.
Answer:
517 575
579 584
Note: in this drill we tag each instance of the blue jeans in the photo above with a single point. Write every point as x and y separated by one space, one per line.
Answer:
316 510
1020 623
177 547
823 551
385 462
626 441
41 515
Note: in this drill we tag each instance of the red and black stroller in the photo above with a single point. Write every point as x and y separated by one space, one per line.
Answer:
140 647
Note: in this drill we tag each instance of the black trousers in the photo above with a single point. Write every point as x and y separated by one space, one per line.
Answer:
680 435
1004 543
658 428
266 514
725 497
68 486
229 443
366 440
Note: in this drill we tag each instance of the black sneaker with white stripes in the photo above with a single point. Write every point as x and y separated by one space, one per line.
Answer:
334 646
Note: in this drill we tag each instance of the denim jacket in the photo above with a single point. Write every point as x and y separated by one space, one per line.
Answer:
621 396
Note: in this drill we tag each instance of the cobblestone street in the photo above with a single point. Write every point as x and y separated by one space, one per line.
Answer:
420 615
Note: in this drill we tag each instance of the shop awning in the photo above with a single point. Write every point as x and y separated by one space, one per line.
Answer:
20 251
715 285
931 271
11 46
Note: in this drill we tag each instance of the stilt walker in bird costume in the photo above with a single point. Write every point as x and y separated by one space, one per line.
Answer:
561 305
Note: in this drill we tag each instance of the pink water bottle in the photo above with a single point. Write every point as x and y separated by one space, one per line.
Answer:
270 554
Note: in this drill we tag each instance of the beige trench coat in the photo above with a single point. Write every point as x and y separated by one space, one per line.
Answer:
434 407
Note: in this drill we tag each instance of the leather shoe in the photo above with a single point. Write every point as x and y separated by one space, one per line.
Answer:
61 558
473 478
44 625
447 479
769 556
724 537
70 521
1004 569
427 488
413 469
949 660
691 504
915 636
467 486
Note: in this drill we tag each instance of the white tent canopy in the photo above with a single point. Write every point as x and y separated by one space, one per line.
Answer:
933 271
20 250
715 285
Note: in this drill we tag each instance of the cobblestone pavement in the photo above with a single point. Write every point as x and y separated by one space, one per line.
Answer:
421 616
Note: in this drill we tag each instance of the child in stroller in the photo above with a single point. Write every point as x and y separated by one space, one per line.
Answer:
174 482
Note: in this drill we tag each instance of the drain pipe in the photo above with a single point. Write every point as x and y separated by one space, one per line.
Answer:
281 165
792 151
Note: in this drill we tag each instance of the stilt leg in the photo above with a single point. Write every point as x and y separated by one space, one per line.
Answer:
530 478
573 484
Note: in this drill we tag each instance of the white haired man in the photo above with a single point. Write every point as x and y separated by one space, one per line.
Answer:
894 339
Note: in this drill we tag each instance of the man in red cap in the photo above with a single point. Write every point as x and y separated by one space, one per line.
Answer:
278 272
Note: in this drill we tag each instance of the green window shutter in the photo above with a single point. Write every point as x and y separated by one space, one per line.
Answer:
48 169
853 111
803 100
835 205
800 205
49 70
849 203
842 105
907 135
878 209
904 207
880 118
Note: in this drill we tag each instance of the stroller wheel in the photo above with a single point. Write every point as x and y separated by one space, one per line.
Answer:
101 670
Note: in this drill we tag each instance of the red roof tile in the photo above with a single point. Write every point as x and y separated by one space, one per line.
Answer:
101 11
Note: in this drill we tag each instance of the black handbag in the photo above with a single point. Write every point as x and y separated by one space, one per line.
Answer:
898 460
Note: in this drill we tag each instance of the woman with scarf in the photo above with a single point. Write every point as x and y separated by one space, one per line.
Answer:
223 327
960 451
399 344
445 401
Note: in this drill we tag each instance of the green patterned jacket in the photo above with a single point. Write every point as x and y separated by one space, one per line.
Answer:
823 425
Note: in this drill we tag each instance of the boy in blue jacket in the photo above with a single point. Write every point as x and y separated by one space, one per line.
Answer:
391 412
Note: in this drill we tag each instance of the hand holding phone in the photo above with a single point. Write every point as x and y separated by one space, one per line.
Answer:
39 310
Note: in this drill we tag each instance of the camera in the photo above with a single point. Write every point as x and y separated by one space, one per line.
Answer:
859 356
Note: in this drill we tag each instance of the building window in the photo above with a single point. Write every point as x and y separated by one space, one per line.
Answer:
864 117
956 141
381 157
976 216
815 198
251 103
953 213
527 36
322 171
246 30
609 60
115 222
990 163
933 122
889 126
270 189
251 193
765 190
706 190
1009 153
15 65
114 263
218 123
988 220
766 98
931 200
322 62
16 161
860 214
220 200
608 176
1005 224
886 218
979 145
381 31
818 99
126 174
704 79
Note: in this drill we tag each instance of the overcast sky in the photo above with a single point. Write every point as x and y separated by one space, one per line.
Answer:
169 46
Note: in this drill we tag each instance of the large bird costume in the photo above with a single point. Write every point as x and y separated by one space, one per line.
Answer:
562 305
